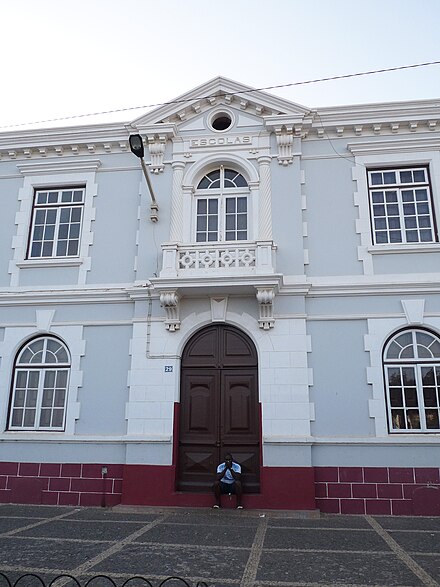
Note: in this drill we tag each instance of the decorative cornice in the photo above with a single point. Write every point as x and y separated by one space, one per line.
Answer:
379 147
48 167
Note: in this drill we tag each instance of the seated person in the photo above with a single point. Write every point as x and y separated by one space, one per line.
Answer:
228 481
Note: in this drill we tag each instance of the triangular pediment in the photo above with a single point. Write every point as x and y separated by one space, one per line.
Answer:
216 92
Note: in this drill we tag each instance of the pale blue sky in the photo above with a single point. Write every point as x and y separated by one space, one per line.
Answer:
65 57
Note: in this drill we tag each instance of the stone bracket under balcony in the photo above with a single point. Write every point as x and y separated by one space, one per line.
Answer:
218 260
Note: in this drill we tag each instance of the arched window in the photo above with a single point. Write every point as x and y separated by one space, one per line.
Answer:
222 207
412 377
39 389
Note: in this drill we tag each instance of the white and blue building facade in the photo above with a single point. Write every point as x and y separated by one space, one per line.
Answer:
284 305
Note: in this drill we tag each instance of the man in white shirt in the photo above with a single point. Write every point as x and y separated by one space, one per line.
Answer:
228 481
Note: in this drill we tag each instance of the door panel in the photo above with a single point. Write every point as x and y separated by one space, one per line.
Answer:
198 422
239 407
219 409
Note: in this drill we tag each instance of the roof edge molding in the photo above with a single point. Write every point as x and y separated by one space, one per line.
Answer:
220 90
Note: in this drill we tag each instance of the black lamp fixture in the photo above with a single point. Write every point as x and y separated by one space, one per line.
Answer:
137 148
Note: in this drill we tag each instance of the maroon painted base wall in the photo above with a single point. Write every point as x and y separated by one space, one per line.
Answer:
394 491
281 488
60 484
338 490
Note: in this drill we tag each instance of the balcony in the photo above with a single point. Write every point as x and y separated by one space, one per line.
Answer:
218 260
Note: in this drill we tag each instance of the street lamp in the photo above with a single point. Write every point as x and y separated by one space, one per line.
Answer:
137 148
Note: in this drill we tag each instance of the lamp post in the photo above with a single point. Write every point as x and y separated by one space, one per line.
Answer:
137 148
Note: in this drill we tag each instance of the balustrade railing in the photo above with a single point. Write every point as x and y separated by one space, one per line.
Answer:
218 259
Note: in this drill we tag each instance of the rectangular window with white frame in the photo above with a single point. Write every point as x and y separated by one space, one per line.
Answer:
56 224
401 206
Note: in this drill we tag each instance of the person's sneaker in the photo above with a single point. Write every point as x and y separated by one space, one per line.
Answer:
216 507
239 507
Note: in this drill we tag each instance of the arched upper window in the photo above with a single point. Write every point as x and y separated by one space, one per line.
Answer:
39 388
412 377
222 207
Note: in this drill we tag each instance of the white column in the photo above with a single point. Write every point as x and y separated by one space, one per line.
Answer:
265 219
177 203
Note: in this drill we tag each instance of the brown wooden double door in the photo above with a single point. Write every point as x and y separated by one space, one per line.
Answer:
219 409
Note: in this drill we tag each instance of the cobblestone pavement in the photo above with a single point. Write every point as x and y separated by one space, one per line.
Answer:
221 547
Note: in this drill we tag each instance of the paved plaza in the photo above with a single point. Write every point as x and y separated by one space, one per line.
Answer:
220 547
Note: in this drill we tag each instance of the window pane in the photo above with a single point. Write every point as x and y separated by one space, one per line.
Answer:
419 175
428 375
20 395
66 196
394 377
47 249
33 379
31 398
17 418
432 419
376 178
62 378
202 206
394 222
65 215
230 205
398 419
378 197
45 418
395 236
426 236
242 222
62 248
36 250
74 230
411 397
230 222
60 395
29 418
49 379
396 400
212 222
212 206
201 223
76 214
72 248
242 205
389 177
430 397
47 400
393 350
406 177
391 197
204 184
413 419
41 198
20 379
421 195
57 419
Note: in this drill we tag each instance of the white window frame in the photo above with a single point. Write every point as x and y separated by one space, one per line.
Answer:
41 368
14 338
380 195
391 153
58 207
221 195
45 175
416 365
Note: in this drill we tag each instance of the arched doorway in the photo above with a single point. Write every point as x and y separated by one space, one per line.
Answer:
219 408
